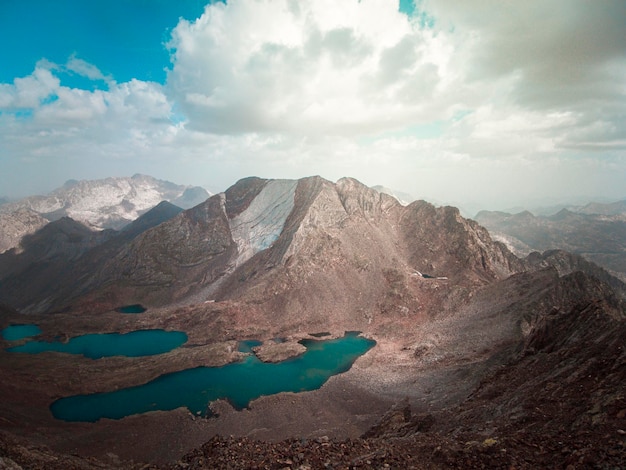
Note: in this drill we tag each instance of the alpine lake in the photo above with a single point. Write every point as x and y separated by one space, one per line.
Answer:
239 383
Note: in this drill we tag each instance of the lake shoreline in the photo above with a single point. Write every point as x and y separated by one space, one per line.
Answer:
346 406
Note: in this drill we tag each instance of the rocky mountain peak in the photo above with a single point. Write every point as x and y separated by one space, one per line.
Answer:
239 196
293 244
295 238
356 197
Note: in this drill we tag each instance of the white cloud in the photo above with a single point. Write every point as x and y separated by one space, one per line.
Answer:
286 88
51 129
341 67
28 92
81 67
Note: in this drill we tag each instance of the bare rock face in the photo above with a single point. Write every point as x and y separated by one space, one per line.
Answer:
300 254
166 262
15 225
294 255
306 249
450 245
567 263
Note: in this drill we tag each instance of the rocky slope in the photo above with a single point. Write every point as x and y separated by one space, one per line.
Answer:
402 197
99 204
598 236
556 400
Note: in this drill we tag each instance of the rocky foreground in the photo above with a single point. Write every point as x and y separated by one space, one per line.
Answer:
560 402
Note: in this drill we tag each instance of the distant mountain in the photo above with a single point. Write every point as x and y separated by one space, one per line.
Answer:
257 225
581 207
107 203
614 208
403 198
596 231
259 230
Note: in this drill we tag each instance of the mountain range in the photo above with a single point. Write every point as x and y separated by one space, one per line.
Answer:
595 231
484 359
99 204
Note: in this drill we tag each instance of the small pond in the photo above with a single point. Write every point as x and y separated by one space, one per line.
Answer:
134 308
239 383
17 332
133 344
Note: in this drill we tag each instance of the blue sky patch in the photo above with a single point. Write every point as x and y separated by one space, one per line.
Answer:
125 38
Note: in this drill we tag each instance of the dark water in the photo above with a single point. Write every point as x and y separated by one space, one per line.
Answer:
95 346
135 308
321 334
17 332
239 383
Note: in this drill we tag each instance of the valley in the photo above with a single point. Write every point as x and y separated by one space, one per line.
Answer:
488 360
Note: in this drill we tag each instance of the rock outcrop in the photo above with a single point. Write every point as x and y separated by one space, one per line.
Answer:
16 224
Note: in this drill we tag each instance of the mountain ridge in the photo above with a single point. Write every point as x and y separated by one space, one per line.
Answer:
106 203
598 237
322 217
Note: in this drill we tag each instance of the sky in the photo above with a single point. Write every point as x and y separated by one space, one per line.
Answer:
489 104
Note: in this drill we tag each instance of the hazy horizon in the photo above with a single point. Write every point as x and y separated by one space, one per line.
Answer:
483 106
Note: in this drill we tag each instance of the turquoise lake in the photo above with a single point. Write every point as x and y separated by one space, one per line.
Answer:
17 332
239 383
133 344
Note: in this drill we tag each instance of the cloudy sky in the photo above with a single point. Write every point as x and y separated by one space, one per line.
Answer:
483 104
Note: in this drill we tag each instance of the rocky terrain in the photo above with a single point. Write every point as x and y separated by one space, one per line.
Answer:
111 203
483 359
597 232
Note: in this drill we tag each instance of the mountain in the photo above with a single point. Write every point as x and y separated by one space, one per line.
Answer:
53 258
263 235
613 208
556 404
402 197
100 204
598 237
482 360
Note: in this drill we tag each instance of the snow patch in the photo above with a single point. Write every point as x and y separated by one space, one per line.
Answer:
256 228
